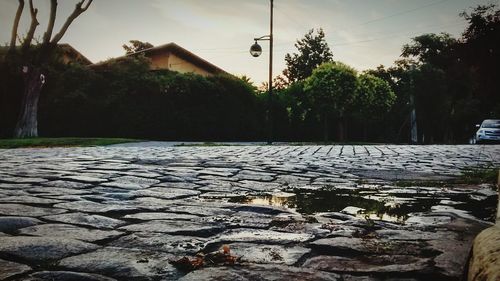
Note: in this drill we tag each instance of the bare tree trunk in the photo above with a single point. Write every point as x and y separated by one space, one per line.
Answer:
27 124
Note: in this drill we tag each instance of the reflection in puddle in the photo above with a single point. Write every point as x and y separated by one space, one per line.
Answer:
374 204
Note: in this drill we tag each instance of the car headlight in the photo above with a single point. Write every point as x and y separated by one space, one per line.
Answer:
480 132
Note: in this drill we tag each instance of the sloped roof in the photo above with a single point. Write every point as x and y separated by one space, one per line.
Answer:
184 54
68 49
64 47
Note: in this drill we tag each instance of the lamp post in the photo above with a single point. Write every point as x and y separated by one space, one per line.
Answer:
255 51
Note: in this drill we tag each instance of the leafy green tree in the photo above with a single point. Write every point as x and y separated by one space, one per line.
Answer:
480 52
332 89
135 46
374 99
313 50
295 103
435 49
399 77
432 56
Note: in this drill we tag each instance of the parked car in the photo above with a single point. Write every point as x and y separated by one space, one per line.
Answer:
488 131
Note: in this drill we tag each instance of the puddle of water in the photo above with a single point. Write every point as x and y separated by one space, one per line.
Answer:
378 205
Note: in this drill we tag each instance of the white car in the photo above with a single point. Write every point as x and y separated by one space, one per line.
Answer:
488 131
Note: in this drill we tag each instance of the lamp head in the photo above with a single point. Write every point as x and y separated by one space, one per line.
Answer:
255 50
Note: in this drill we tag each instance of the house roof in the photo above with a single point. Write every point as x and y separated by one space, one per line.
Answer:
184 54
68 49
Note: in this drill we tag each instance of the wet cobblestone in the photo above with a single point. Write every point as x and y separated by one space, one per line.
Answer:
121 213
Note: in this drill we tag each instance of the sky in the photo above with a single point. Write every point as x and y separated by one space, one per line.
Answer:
360 33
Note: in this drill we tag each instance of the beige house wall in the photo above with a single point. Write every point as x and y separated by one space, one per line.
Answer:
66 59
172 62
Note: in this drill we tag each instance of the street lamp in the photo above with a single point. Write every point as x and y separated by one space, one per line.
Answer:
255 51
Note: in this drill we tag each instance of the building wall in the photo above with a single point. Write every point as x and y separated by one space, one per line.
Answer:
172 62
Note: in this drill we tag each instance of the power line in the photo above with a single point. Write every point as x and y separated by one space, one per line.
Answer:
393 15
393 35
424 29
242 49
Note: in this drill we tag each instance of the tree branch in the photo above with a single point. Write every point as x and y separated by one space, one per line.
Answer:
79 9
33 25
52 20
13 36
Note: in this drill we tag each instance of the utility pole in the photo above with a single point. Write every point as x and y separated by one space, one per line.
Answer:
255 51
413 114
270 113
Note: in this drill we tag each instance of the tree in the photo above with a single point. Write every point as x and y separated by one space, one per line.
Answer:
332 89
480 52
32 60
483 22
313 50
136 46
374 99
434 57
435 49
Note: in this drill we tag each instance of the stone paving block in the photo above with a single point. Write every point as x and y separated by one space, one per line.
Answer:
160 216
174 244
69 231
17 180
96 221
177 227
123 264
261 236
94 207
56 191
86 179
199 210
42 249
240 219
10 269
370 264
29 200
255 176
352 245
71 185
259 272
10 224
165 193
184 185
25 210
151 204
14 186
265 254
222 172
132 182
66 276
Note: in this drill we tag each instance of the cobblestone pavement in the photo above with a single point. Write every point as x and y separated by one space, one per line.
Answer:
287 212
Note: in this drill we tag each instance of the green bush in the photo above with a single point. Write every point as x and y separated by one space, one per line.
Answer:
124 99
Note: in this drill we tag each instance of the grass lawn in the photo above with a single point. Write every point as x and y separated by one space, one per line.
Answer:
60 142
